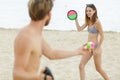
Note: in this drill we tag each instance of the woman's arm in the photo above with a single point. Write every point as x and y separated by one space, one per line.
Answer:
79 28
99 28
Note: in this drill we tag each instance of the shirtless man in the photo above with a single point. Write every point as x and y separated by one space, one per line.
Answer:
30 45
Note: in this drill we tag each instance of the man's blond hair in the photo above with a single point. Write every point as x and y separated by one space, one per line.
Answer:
39 8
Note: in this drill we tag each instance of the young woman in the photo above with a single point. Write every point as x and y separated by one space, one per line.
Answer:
94 30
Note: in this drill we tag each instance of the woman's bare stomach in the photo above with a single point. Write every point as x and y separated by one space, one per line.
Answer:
93 38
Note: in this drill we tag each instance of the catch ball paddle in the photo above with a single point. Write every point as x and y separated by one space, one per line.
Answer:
72 15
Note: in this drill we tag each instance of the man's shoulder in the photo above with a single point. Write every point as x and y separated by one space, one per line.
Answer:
23 38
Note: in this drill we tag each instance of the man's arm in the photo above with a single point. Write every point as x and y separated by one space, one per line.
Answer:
22 49
58 54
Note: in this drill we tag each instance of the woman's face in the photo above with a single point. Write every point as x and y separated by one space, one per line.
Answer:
90 12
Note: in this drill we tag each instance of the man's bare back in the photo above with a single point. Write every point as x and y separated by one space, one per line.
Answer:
34 42
28 50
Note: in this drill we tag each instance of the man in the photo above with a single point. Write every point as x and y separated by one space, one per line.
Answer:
29 44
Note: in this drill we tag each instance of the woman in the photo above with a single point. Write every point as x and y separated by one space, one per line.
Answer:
94 30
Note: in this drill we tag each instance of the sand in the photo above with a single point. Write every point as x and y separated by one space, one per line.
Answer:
64 69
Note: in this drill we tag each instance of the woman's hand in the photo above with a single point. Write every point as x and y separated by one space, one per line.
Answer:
76 19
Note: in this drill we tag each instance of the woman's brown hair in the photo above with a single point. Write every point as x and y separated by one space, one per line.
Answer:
94 18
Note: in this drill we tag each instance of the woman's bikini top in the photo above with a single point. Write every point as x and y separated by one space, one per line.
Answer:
92 30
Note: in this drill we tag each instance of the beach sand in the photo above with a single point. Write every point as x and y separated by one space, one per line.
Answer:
64 69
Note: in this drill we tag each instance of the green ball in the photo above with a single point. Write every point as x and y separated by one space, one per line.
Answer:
90 45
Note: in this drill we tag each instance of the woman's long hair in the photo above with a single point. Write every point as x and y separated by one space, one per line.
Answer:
94 18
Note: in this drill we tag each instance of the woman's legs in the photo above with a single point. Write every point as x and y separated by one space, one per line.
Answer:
83 62
97 61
